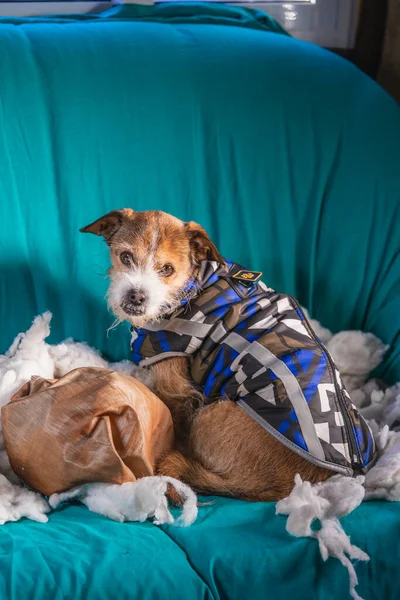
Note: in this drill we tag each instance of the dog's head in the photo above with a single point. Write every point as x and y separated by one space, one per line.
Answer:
154 255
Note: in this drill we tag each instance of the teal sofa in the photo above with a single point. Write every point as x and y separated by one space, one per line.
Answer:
289 156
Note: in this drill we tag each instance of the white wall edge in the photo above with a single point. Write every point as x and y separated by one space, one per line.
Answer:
329 23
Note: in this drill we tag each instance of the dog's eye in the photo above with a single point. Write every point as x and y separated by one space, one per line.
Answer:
166 271
126 258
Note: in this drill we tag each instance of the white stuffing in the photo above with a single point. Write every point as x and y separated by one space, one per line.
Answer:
326 502
134 501
356 354
383 480
335 497
334 542
28 355
72 355
17 502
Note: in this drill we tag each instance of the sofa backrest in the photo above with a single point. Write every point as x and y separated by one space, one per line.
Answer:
287 154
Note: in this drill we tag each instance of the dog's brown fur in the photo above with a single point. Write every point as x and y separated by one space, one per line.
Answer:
220 449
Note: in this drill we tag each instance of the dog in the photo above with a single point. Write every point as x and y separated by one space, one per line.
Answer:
225 352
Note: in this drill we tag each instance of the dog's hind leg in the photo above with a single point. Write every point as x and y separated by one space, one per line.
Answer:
229 454
193 473
203 481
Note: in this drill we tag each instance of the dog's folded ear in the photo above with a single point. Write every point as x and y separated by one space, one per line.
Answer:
201 245
109 224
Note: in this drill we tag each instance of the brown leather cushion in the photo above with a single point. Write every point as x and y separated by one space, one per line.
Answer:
90 425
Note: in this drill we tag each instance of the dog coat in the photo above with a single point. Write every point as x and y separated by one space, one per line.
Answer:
252 345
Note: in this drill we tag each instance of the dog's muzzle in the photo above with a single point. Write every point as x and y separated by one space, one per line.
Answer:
134 302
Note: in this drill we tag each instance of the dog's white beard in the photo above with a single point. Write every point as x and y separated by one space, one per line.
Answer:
158 296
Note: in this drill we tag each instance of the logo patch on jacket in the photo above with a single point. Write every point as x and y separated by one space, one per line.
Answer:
247 277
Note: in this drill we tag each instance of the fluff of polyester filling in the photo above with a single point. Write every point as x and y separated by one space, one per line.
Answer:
355 353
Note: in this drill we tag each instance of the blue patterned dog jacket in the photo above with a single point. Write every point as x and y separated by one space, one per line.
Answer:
252 345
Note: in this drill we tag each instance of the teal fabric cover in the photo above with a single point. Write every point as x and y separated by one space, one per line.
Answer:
289 156
234 551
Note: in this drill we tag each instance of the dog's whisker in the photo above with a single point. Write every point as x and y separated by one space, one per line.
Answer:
117 321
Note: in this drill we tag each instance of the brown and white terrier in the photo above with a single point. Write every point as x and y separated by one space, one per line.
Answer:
220 449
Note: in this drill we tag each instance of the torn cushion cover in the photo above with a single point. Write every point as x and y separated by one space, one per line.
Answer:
92 425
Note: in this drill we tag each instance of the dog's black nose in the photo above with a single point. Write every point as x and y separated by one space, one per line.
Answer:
136 297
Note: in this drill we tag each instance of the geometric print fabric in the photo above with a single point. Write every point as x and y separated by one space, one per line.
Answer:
254 346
